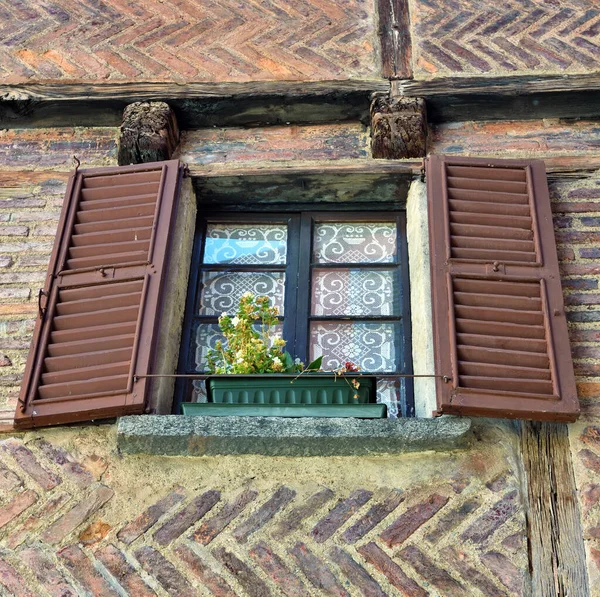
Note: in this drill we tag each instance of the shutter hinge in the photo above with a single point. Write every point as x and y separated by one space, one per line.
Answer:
76 163
186 170
423 171
42 310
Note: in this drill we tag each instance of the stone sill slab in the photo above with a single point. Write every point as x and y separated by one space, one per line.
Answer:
177 435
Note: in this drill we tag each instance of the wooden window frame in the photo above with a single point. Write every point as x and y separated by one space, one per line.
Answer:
299 267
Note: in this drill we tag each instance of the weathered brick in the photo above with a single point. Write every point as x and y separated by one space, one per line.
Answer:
81 568
14 230
452 519
184 519
595 557
412 519
281 498
72 468
294 519
253 585
13 581
123 571
508 574
22 278
277 571
15 293
373 554
514 543
21 203
593 532
589 252
6 261
317 572
211 528
342 512
47 573
149 517
46 230
576 206
77 515
28 462
586 352
590 460
24 247
357 575
212 581
373 517
35 216
433 574
579 283
488 523
39 261
584 193
8 479
18 535
459 560
94 532
17 505
591 435
155 564
591 221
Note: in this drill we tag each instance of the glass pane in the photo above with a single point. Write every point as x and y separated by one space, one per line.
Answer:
221 291
368 345
263 244
353 292
354 242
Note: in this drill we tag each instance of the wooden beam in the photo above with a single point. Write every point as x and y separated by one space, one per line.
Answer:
394 34
398 128
149 133
556 547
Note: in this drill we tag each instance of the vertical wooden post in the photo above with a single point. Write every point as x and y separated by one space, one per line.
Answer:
556 548
149 133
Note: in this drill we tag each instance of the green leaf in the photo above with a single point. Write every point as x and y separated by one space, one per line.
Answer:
288 362
315 365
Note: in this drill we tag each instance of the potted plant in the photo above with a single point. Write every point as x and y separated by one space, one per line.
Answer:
252 374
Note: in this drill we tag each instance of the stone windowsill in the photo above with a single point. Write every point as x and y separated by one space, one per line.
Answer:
176 435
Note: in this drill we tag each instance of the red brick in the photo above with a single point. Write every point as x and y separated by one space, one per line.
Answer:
281 498
373 517
47 573
576 237
412 519
8 479
124 573
81 568
211 528
72 468
28 462
380 560
317 572
277 571
252 584
212 581
13 581
590 460
593 532
77 515
155 564
438 577
488 523
452 519
357 575
294 519
148 518
595 556
16 506
94 533
187 517
342 512
508 574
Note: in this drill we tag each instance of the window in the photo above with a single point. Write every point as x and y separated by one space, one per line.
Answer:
338 278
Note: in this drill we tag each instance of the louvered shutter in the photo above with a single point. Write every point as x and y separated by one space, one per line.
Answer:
500 330
99 308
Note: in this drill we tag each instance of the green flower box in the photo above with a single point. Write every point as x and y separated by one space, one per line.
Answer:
310 395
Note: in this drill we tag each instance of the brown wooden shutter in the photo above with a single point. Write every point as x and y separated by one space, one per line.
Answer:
99 307
500 330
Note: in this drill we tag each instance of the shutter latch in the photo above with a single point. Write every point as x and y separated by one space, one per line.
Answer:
495 268
42 310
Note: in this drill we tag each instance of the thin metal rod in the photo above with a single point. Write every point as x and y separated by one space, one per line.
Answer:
292 376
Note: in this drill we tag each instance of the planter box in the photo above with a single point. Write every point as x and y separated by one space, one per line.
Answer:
288 396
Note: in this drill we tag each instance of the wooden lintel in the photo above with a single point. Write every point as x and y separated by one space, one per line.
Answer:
149 133
555 536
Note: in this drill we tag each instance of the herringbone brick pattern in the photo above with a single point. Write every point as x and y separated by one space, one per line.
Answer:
448 536
485 36
187 40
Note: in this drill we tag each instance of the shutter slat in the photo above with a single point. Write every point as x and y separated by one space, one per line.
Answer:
100 342
130 190
482 207
116 202
479 184
499 322
488 196
486 173
94 346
